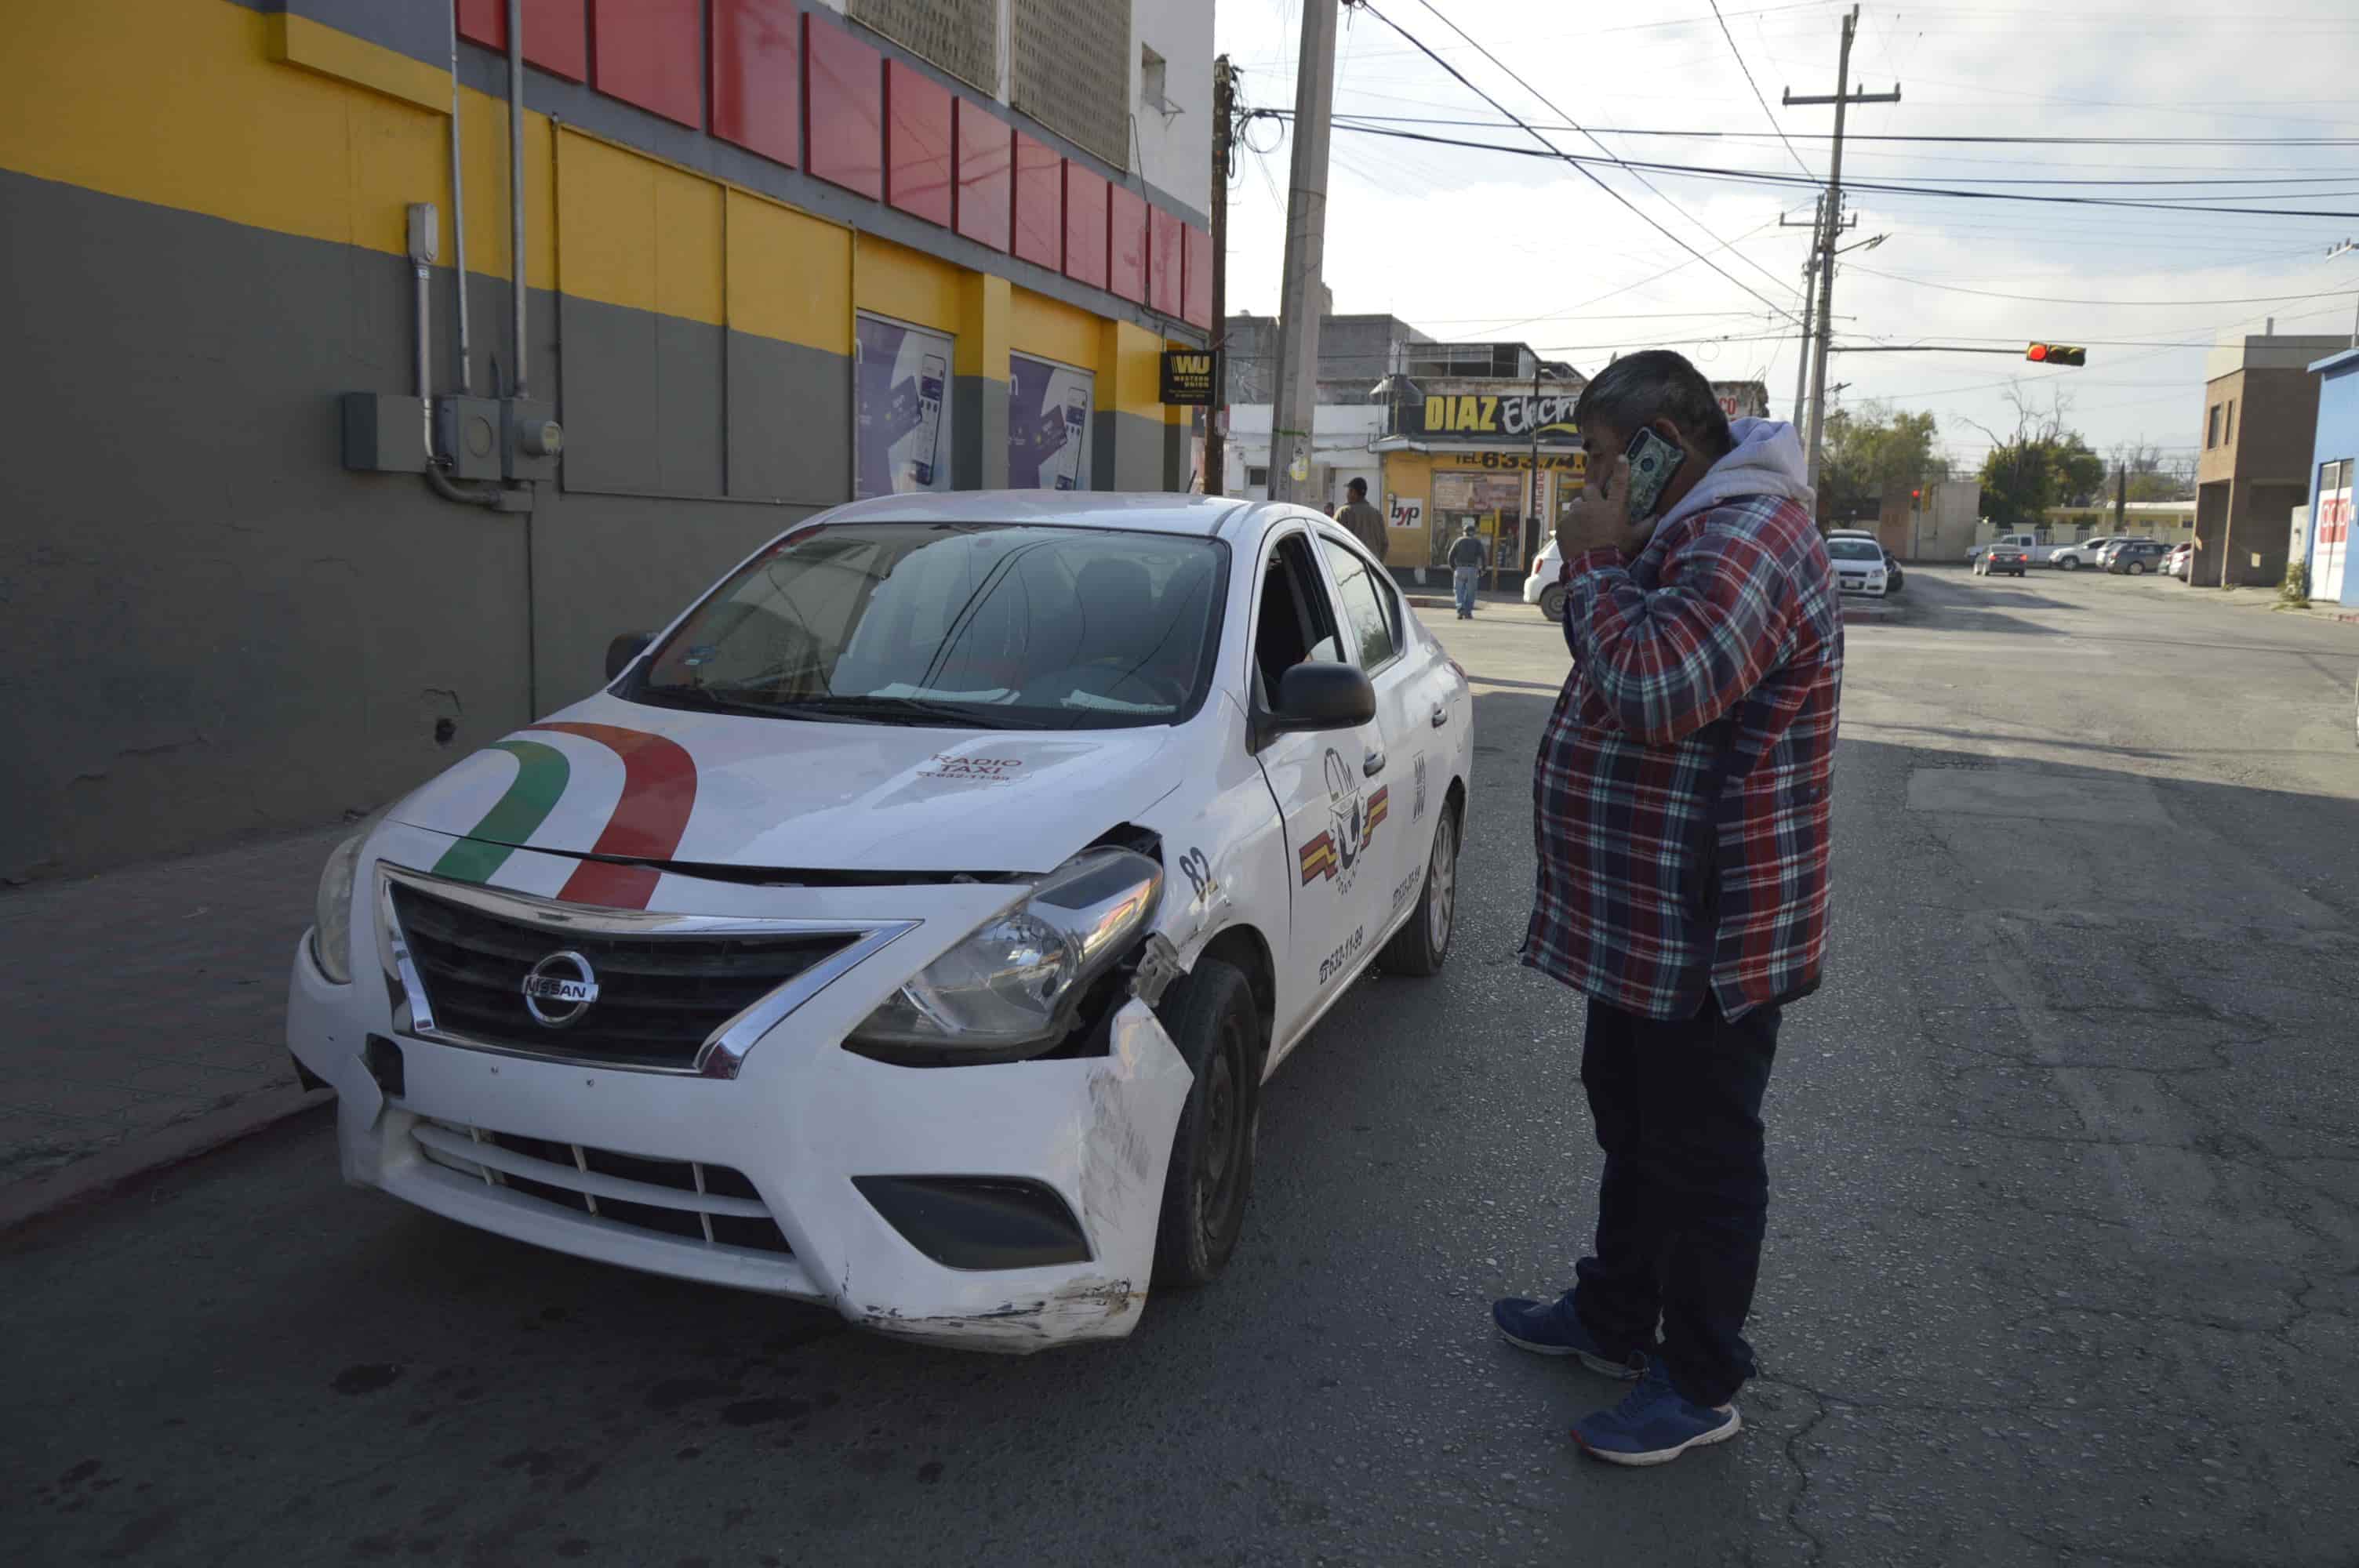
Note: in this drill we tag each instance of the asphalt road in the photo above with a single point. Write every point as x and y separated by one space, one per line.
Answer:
2063 1262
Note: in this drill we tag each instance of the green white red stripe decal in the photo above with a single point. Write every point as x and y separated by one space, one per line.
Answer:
658 793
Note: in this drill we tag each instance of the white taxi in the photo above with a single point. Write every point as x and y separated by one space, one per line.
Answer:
910 927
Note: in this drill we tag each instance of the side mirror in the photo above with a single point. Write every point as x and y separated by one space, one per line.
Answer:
1321 697
624 649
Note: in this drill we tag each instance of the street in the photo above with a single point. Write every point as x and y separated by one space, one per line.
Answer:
2064 1262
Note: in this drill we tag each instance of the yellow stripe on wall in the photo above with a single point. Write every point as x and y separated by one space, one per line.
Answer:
1052 330
637 233
907 284
789 275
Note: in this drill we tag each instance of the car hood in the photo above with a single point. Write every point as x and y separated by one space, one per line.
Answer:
615 778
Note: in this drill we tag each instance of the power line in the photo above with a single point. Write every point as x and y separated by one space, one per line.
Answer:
2053 300
1772 177
1758 98
1554 151
1484 51
1887 137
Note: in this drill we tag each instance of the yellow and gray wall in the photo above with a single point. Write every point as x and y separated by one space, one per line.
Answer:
212 629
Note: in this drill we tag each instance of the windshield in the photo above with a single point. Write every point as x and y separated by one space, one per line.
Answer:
973 626
1855 550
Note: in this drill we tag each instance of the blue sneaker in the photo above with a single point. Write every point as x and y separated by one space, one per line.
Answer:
1653 1424
1550 1328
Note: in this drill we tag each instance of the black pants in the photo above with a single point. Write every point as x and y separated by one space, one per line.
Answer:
1686 1192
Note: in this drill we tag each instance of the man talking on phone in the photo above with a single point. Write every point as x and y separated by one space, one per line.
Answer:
1680 810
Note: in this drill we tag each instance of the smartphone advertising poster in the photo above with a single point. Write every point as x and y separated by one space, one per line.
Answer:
1048 425
901 389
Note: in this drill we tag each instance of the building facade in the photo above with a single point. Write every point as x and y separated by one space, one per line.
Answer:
2333 480
2260 408
777 253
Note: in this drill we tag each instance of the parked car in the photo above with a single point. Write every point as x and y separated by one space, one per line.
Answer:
1859 566
2084 553
909 927
2000 558
2180 561
2104 558
1541 586
2135 557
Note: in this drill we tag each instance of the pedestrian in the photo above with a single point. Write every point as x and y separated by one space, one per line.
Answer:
1468 556
1366 523
1681 816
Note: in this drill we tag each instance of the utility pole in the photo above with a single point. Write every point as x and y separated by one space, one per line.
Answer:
1843 98
1216 435
2121 498
1295 407
1810 299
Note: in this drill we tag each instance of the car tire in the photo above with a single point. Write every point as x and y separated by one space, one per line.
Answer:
1418 947
1552 601
2137 568
1212 1019
2069 563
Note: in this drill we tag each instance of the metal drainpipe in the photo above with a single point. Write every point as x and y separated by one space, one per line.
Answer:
459 213
517 282
425 373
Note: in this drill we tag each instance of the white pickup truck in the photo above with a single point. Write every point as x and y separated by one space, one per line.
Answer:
2027 543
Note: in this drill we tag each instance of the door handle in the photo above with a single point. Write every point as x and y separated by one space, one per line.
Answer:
1441 716
1373 763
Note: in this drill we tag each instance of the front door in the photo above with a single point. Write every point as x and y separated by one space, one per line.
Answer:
1322 782
1395 849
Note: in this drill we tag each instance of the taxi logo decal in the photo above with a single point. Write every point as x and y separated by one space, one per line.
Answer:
1352 821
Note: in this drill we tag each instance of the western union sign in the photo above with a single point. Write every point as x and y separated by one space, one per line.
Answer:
1189 376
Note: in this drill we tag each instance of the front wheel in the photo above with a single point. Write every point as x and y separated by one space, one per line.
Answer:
2067 564
1552 601
1419 947
1213 1021
2137 568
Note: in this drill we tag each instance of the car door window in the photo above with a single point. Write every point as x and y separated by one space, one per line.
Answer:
1373 632
1296 622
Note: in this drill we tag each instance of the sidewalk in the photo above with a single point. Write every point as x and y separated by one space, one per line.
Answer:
146 1011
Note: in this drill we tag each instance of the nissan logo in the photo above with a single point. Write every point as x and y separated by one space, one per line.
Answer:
559 989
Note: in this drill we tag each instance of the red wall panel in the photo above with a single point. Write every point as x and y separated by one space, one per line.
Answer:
1126 243
758 88
1163 261
1085 225
987 179
650 53
843 109
554 36
917 143
1039 230
1196 273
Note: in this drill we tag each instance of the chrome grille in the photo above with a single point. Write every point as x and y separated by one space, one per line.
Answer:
668 987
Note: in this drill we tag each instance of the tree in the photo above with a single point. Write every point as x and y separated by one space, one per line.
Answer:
2041 465
1872 453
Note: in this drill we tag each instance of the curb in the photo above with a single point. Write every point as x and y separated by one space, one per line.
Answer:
101 1173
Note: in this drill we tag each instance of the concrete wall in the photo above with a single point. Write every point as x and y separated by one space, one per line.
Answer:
214 630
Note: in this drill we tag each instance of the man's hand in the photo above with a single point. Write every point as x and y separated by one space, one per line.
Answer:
1599 518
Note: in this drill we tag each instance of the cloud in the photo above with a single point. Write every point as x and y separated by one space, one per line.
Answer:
1475 244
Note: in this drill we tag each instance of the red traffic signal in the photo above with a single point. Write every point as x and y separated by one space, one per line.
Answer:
2056 355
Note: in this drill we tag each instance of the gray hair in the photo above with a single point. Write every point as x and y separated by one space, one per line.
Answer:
1657 384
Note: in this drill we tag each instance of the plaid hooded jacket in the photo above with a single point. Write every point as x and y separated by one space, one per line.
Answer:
1680 801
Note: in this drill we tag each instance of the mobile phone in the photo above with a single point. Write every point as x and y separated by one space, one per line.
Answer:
931 372
1077 419
1653 461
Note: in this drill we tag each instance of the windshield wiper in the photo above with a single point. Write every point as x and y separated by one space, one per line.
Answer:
912 710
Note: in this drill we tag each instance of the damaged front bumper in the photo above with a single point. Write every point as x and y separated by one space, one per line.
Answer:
758 1182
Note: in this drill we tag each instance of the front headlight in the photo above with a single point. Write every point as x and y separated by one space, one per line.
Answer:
332 915
1012 987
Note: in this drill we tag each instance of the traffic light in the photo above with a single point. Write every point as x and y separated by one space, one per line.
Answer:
1916 500
2056 355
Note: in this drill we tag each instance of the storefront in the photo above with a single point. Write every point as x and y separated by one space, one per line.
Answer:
1502 460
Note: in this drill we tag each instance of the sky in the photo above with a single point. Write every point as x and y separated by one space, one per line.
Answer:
1476 244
